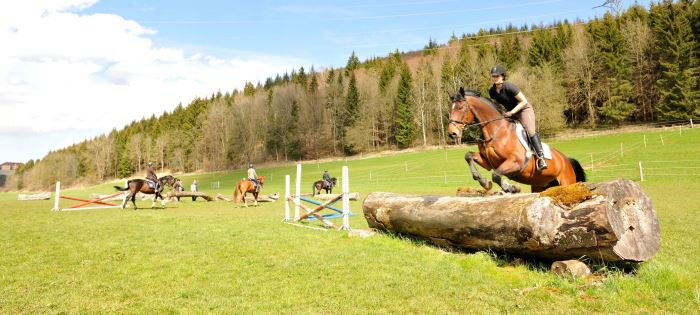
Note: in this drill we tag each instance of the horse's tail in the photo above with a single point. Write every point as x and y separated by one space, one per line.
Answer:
124 188
578 170
235 192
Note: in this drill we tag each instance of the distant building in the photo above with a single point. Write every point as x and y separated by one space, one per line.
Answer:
6 169
10 166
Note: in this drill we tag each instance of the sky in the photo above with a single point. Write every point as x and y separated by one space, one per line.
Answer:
71 70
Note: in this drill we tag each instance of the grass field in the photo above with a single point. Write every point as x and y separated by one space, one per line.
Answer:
199 257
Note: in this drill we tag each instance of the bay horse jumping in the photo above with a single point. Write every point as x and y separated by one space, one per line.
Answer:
322 184
245 186
501 151
135 186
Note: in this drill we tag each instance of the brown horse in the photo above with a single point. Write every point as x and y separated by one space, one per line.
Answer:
135 186
322 184
501 151
245 186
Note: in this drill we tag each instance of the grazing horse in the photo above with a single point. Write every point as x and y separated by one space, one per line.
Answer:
322 184
501 151
135 186
245 186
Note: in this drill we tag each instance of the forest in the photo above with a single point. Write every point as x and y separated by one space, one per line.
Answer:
633 66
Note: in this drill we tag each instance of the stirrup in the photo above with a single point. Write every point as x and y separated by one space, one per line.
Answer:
541 164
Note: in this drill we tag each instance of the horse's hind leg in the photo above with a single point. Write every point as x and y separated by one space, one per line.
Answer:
470 157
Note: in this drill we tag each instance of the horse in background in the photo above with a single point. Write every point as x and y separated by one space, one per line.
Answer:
501 151
322 184
135 186
245 186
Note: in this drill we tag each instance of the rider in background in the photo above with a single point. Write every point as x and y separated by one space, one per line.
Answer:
327 179
508 95
151 175
253 176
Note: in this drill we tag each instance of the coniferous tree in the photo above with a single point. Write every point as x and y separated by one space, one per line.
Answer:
353 64
678 59
404 124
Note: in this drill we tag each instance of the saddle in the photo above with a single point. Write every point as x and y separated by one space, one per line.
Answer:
525 142
151 184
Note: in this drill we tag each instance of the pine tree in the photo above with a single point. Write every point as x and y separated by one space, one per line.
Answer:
404 125
249 89
353 64
678 58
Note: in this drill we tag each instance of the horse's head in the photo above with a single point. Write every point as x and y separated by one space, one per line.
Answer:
460 115
334 181
261 180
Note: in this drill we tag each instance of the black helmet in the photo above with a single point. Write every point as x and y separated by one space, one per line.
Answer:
498 69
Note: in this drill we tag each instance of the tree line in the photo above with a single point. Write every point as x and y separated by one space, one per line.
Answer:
639 65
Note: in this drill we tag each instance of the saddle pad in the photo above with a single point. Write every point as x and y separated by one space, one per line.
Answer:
151 183
520 131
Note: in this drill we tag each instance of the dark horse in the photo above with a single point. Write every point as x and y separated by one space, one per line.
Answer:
135 186
500 150
322 184
245 186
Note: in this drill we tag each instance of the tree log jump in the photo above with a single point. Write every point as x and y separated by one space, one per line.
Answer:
611 221
175 194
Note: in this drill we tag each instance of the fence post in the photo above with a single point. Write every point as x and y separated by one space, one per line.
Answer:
691 123
641 172
662 139
622 151
297 195
57 196
346 199
286 198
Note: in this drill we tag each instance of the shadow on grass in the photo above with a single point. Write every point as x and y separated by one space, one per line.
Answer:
533 263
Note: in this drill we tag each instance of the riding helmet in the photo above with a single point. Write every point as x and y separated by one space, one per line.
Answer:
498 70
250 165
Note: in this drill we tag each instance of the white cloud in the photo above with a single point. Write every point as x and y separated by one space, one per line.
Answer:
63 71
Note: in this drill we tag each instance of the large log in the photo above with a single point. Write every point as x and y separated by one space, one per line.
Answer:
29 197
174 194
611 221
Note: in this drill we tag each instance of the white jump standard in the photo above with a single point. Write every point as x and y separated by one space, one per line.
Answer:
312 213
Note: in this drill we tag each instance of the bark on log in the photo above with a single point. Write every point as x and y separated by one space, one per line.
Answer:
174 194
616 223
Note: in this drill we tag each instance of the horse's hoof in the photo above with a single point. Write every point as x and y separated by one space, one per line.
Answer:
515 189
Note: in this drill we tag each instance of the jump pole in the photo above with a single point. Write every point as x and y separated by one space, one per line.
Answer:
297 201
346 199
81 206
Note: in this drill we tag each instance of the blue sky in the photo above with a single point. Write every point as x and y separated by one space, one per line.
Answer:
326 32
73 69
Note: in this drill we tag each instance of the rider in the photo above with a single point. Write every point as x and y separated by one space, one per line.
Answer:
508 95
151 175
327 179
253 177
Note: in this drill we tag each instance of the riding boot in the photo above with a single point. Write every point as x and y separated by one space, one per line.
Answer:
539 152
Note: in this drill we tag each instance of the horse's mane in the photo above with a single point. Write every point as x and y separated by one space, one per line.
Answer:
491 103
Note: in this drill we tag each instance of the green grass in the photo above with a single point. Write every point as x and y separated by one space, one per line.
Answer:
199 257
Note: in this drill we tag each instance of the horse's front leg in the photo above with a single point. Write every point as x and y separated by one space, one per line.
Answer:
506 168
255 195
162 200
472 157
